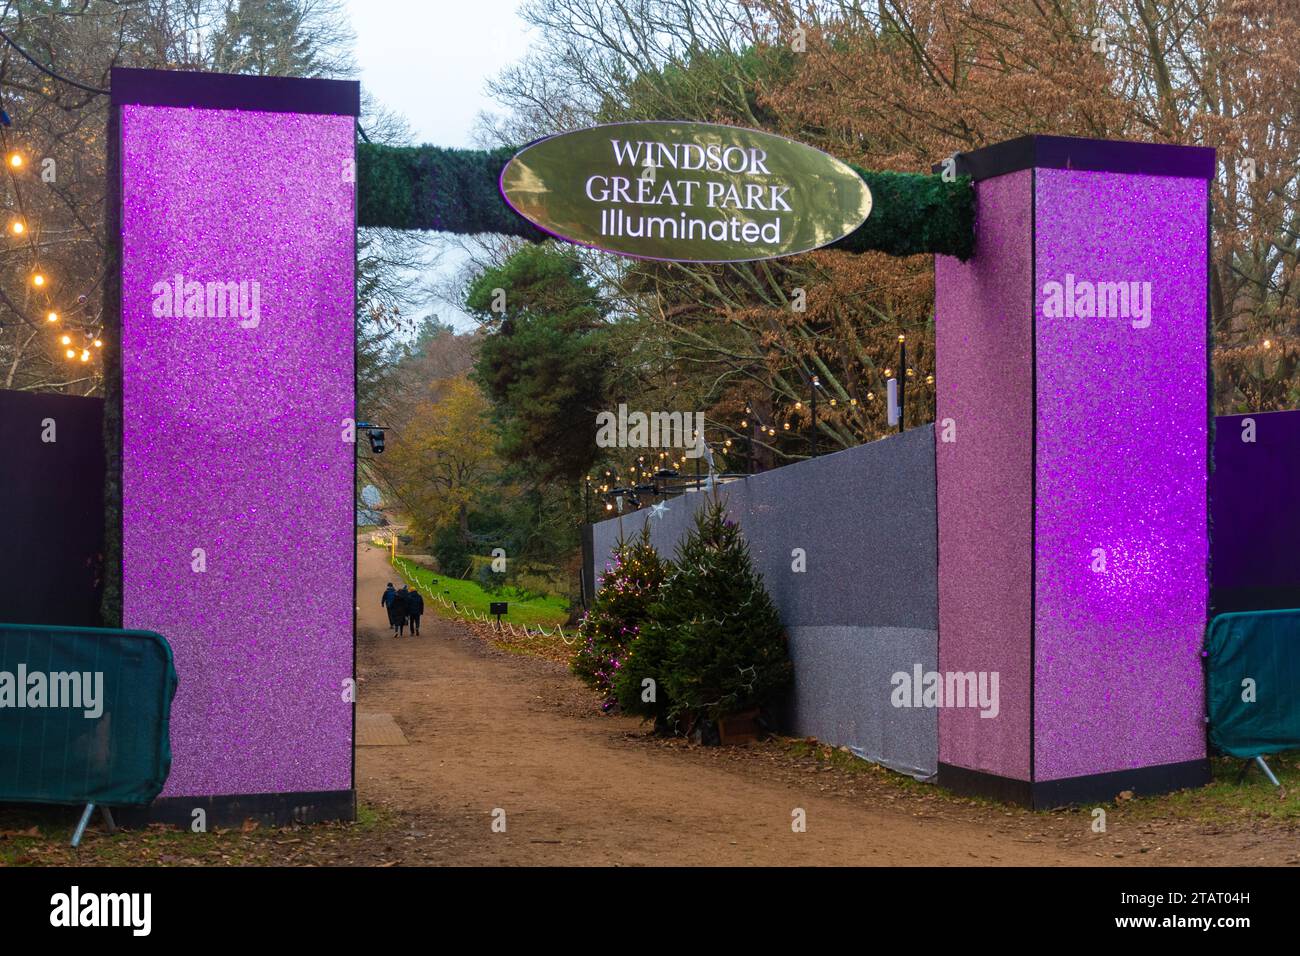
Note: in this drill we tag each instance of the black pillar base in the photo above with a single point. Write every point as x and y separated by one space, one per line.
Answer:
268 809
1092 788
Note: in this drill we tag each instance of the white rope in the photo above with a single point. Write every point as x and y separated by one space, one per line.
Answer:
404 566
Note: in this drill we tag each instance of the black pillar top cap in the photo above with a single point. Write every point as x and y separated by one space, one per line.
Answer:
1096 155
235 91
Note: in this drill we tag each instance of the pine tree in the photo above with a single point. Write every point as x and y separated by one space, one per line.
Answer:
628 588
545 359
713 643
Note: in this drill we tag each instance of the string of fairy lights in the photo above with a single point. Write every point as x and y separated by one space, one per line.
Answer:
666 472
77 345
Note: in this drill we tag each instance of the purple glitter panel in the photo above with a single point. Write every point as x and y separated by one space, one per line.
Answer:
983 353
1121 541
237 375
1252 556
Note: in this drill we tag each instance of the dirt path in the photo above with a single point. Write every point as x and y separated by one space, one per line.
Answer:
490 731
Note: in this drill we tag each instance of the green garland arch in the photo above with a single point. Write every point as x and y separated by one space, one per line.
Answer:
456 190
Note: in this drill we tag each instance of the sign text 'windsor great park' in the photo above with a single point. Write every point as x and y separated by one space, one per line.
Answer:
686 192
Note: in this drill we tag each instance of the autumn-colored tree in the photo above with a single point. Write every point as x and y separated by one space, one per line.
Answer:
902 83
439 463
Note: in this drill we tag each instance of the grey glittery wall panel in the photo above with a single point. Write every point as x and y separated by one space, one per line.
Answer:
867 605
842 692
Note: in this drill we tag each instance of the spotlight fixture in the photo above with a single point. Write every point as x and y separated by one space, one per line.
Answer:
375 433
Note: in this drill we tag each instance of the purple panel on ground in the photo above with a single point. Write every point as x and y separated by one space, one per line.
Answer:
232 438
1121 467
984 370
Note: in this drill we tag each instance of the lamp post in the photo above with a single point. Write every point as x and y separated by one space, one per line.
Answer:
749 440
902 380
812 437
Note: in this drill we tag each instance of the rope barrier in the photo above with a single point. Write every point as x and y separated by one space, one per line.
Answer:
406 569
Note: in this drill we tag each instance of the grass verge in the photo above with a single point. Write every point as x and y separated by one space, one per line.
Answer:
545 611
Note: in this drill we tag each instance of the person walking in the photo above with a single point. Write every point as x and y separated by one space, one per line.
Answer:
390 595
401 608
414 608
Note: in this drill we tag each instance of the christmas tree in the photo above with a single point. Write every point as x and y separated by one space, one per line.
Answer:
713 644
628 588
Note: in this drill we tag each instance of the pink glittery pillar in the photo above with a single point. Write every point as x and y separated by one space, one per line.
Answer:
1072 450
237 284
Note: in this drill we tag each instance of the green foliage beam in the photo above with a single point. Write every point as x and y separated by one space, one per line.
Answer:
456 190
914 213
445 190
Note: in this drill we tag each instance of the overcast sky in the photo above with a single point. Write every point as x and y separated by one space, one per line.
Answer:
430 60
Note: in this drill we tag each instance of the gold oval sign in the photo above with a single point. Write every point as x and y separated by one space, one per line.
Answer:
685 192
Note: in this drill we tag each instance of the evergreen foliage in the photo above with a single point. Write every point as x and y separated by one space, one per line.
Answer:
610 629
713 643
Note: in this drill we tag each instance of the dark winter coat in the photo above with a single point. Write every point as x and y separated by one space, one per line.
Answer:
414 603
396 607
399 610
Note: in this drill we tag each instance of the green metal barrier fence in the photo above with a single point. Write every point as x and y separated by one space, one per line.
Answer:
84 715
1253 682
